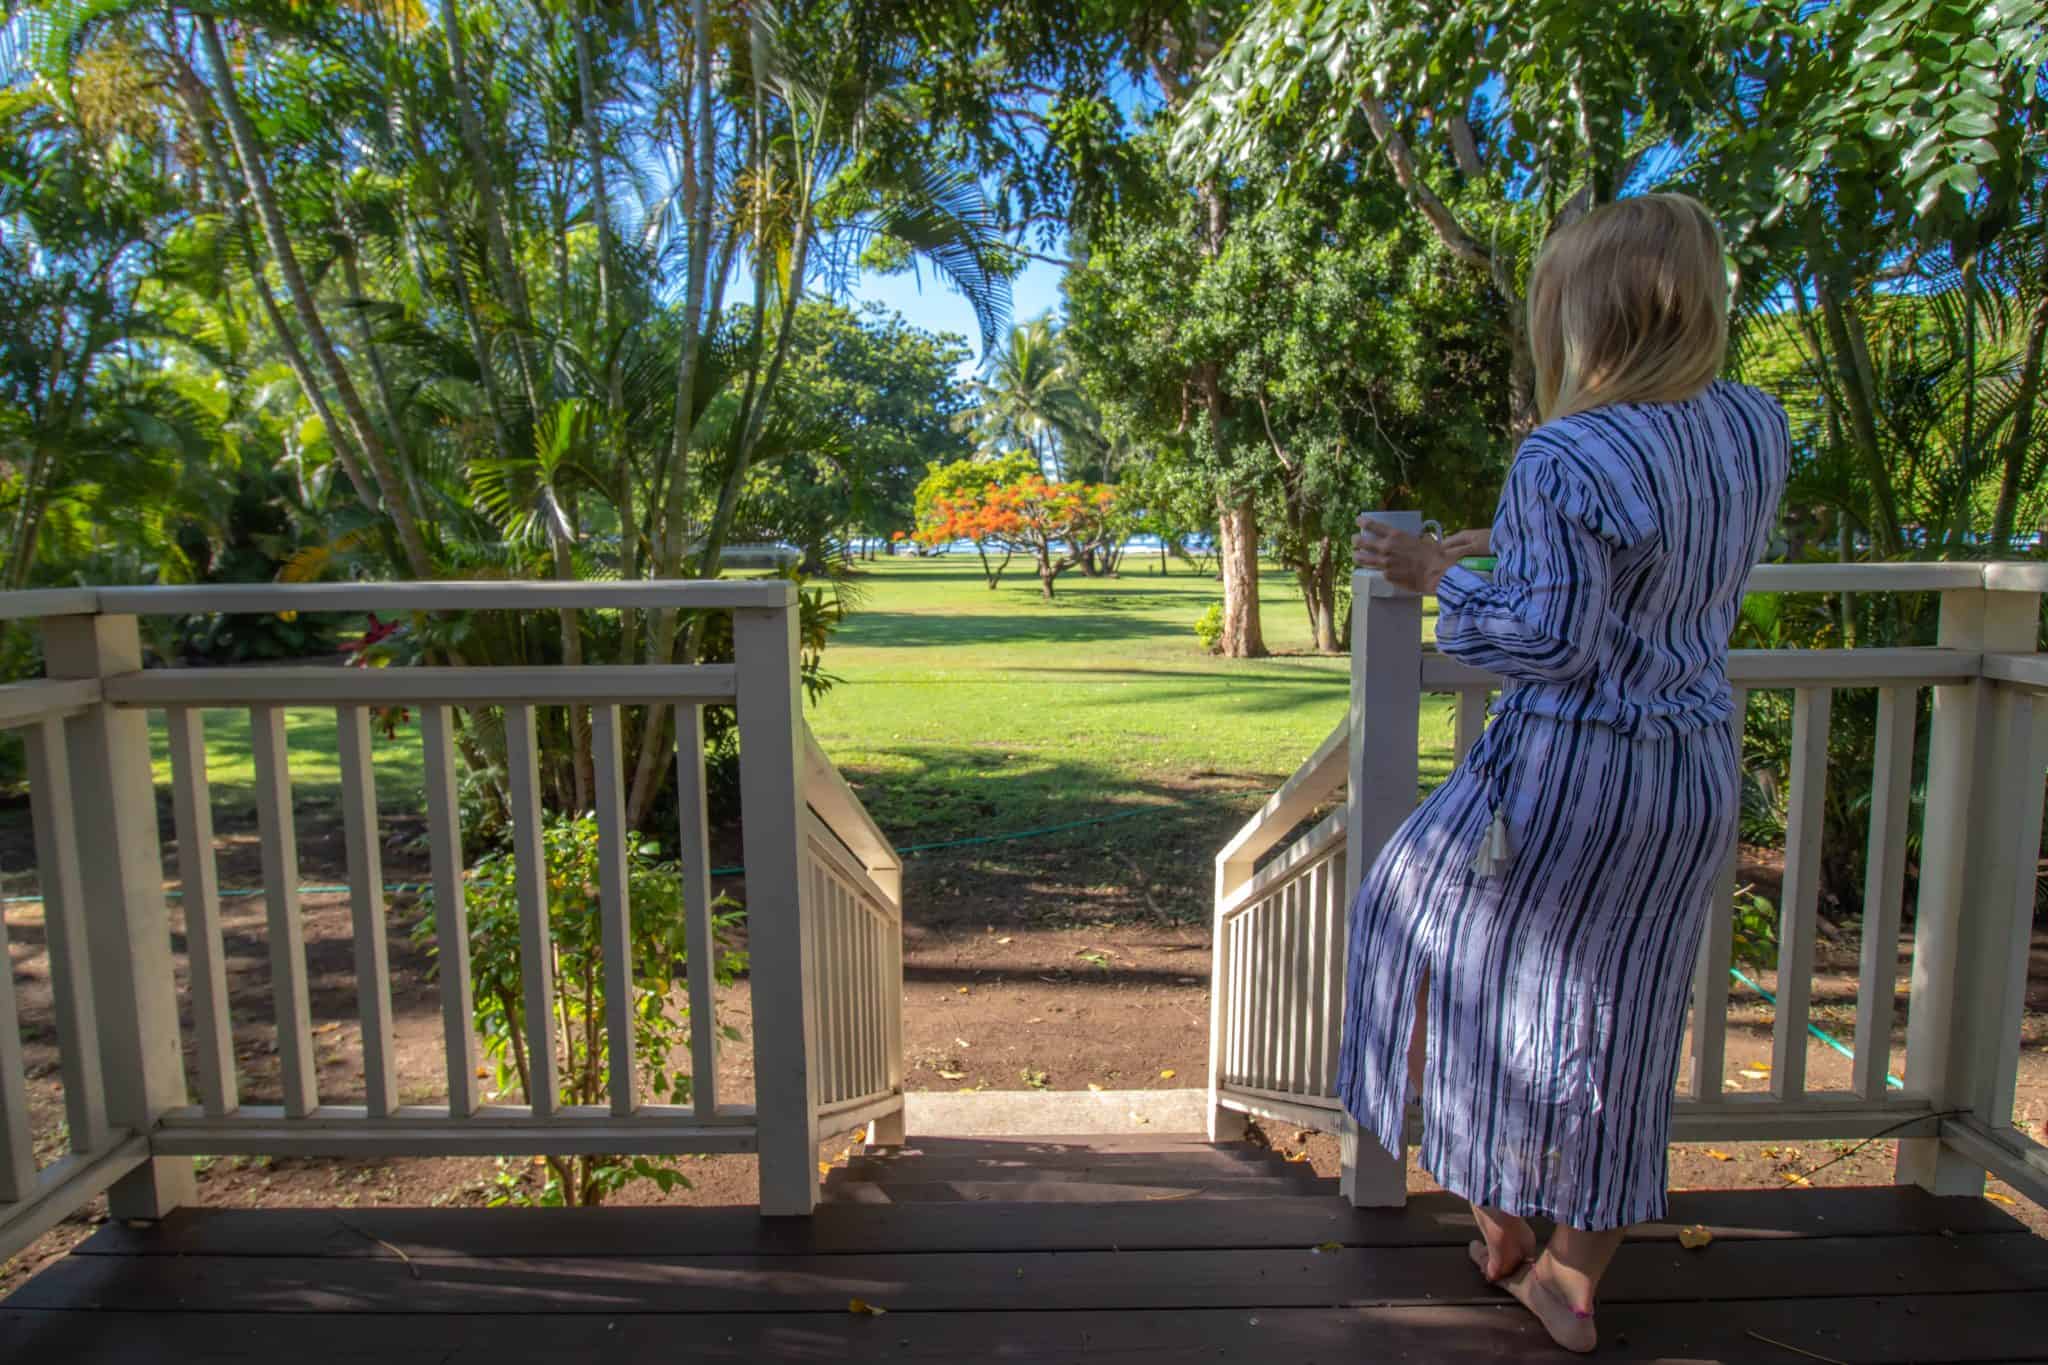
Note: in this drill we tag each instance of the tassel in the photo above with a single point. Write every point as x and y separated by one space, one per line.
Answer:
1492 858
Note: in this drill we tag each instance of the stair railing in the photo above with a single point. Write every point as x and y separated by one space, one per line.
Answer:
1280 947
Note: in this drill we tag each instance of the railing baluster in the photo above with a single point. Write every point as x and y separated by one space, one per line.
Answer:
1335 926
1710 972
693 826
17 1142
870 1002
615 902
1269 994
1797 917
818 919
1297 989
199 877
1235 999
536 945
366 909
298 1078
1471 721
54 813
849 1025
1311 1064
1884 889
451 914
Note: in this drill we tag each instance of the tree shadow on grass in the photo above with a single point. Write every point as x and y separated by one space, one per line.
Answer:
918 630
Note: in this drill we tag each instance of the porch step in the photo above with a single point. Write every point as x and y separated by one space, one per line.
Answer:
1001 1113
1106 1170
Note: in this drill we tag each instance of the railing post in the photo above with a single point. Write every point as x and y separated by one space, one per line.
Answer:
890 1130
1385 767
128 939
1981 782
1232 872
770 706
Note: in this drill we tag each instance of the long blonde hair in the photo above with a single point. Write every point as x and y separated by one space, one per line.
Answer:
1629 305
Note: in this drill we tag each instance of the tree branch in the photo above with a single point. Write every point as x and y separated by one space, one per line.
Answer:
1401 159
1465 147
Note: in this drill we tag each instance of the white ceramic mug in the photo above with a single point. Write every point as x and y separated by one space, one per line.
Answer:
1410 522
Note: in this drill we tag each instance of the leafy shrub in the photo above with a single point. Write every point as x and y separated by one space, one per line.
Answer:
1755 942
661 1024
1209 627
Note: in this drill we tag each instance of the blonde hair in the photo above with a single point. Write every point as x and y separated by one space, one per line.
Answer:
1629 305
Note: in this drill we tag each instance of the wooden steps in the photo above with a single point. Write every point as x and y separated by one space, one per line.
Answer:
1106 1169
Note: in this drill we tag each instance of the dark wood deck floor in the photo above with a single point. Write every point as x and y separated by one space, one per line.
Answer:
1796 1275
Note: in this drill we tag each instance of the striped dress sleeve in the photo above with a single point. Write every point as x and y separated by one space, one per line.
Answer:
1540 618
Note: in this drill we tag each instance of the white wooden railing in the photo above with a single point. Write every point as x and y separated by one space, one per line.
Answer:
823 898
1280 945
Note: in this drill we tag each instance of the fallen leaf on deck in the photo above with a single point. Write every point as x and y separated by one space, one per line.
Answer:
1325 1247
1794 1178
1995 1197
1719 1155
1761 1066
1695 1237
1093 1086
1750 1074
824 1168
952 1075
1002 940
1298 1156
1168 1074
963 990
864 1309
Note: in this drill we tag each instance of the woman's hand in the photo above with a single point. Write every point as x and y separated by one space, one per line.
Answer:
1462 544
1408 561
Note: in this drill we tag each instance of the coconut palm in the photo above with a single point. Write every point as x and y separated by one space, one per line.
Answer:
1031 399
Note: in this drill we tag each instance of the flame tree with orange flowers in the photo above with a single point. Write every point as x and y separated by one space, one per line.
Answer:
1054 523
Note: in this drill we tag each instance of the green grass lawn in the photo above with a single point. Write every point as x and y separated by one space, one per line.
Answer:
961 709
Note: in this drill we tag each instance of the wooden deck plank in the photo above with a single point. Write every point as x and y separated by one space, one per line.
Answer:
1997 1327
1129 1173
1016 1282
1428 1220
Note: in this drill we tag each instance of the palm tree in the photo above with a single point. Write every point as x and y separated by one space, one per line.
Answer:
1032 399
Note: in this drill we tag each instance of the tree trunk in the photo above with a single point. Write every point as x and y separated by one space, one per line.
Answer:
511 283
256 175
1858 398
1317 576
2013 458
1238 549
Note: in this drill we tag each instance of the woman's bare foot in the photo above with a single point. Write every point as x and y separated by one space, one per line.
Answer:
1508 1243
1569 1327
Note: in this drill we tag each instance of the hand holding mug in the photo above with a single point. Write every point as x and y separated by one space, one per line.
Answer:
1411 559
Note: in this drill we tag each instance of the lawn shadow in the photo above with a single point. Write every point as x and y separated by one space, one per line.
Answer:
919 630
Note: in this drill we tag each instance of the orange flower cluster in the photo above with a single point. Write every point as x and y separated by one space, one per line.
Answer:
1030 514
1055 523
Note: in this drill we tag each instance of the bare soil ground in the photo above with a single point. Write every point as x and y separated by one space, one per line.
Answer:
1036 966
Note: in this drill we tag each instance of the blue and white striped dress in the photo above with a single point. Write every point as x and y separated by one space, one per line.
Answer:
1557 984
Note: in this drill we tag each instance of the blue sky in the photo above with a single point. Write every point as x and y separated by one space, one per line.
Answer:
929 302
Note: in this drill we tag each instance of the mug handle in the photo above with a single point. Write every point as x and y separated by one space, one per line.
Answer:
1432 530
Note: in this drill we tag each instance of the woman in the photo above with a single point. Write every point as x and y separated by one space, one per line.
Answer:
1539 914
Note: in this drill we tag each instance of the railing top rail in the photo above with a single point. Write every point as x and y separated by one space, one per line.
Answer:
1319 777
596 684
841 811
29 703
488 595
1998 576
15 606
